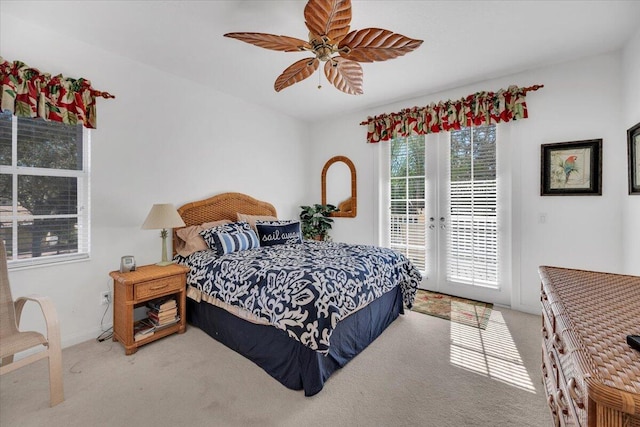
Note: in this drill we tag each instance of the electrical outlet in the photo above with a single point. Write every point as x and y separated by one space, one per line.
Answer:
105 297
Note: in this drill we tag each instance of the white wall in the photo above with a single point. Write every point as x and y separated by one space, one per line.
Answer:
631 116
581 100
163 139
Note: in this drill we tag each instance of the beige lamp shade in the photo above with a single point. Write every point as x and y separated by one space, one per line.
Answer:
162 216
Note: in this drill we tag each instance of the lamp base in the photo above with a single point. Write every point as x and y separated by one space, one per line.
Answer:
165 261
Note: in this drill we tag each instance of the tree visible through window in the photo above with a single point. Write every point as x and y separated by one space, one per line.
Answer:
43 189
407 222
473 229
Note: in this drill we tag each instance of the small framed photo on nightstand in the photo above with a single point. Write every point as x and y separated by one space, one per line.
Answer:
127 264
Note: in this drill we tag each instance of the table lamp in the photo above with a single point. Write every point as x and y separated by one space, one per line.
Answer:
163 216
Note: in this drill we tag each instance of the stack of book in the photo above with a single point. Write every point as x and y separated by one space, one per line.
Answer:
143 329
163 312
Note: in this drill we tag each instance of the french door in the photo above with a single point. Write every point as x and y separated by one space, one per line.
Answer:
444 204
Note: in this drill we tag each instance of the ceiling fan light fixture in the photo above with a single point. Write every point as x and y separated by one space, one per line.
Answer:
323 52
328 24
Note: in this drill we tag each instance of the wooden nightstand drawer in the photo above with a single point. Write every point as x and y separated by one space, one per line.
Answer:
158 287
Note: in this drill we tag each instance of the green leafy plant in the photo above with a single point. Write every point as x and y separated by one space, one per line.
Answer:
316 222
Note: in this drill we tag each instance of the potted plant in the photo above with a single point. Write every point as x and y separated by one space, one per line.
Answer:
316 222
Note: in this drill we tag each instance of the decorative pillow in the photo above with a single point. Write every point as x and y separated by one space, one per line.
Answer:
251 219
278 232
234 237
189 239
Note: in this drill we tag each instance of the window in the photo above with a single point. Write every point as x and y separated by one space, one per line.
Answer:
472 255
443 207
407 180
44 190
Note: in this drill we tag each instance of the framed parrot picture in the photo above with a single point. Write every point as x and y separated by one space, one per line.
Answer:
571 168
633 150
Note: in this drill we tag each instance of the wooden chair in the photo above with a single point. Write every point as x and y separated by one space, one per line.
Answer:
13 341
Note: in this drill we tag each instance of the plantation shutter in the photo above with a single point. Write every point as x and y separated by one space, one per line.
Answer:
407 193
472 240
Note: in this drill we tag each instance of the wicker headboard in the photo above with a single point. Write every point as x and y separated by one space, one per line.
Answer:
221 206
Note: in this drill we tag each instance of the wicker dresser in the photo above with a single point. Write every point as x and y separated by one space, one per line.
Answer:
591 375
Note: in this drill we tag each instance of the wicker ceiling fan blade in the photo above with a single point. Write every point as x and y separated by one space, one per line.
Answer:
272 41
296 72
329 18
345 75
376 44
330 41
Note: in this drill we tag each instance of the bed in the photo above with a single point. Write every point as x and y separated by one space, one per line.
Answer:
299 310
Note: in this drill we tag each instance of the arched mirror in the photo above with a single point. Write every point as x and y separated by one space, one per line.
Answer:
339 186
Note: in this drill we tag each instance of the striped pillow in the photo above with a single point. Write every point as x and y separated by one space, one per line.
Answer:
234 237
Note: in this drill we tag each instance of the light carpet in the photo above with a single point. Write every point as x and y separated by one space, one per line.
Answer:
422 371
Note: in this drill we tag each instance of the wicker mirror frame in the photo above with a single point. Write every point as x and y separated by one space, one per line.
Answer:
347 208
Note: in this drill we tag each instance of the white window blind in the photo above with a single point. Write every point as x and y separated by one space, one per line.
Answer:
44 190
472 241
407 216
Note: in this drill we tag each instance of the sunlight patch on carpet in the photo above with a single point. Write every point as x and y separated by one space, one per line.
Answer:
490 352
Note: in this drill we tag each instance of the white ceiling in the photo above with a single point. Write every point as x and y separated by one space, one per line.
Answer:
464 42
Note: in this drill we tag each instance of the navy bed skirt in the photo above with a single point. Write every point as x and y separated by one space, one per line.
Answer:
287 360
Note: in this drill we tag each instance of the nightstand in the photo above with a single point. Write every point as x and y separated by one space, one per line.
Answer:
134 289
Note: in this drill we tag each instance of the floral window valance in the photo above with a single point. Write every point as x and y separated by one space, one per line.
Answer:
26 92
474 110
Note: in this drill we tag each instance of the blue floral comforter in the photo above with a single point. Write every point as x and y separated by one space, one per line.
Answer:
305 288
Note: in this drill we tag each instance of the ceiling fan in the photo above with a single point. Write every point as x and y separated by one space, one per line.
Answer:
328 24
